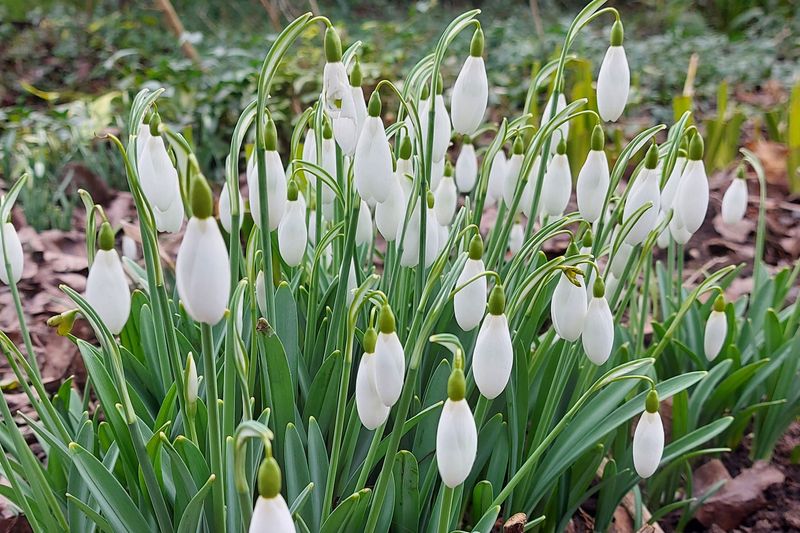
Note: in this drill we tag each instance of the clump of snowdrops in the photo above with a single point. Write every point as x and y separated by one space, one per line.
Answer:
343 348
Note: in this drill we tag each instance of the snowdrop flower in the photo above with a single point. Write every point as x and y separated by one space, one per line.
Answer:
516 238
372 164
389 214
364 225
526 201
563 130
292 231
192 384
456 435
513 168
441 121
13 251
614 80
646 190
557 184
673 182
335 86
470 302
261 292
679 233
276 181
142 136
598 327
170 220
310 151
390 360
716 329
734 202
432 232
157 175
328 164
358 96
648 439
568 306
691 198
471 90
620 259
437 171
271 514
352 283
663 237
493 355
129 248
593 179
497 174
201 269
446 197
466 167
106 287
410 236
347 124
371 410
224 208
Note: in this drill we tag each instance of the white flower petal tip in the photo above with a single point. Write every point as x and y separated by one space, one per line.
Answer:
271 515
372 163
456 442
293 234
716 331
446 200
556 187
469 303
648 444
592 186
201 271
734 202
390 368
224 208
364 225
157 176
568 309
493 356
16 258
691 199
107 290
371 410
613 84
645 189
598 331
516 238
470 96
276 188
466 168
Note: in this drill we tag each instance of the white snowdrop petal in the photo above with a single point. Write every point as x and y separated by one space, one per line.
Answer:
437 171
620 259
470 96
592 185
613 84
568 309
466 168
372 164
679 233
107 290
734 202
292 234
469 303
224 207
261 293
13 248
364 225
691 199
556 187
271 515
493 356
360 107
716 331
563 129
170 220
129 248
432 240
516 238
673 182
456 442
598 331
644 190
345 125
648 444
390 367
511 179
526 201
389 214
371 410
441 128
497 174
335 87
201 271
446 197
156 173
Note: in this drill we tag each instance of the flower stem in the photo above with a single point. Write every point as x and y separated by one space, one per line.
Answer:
209 367
444 515
373 449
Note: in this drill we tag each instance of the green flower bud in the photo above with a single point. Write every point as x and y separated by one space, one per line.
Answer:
696 147
476 45
430 200
269 478
291 191
439 84
374 107
561 149
651 159
572 249
271 136
497 300
202 202
598 138
155 122
355 74
405 148
617 33
370 339
386 322
466 139
333 46
105 237
719 303
456 385
426 92
599 288
63 322
587 240
651 403
448 169
519 147
327 129
476 248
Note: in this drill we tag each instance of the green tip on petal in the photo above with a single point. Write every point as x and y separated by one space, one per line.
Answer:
587 239
448 169
202 202
106 237
740 173
476 45
466 139
476 247
617 33
518 147
405 148
355 75
696 147
561 149
651 159
155 122
439 84
651 403
456 385
426 92
386 322
271 136
598 288
374 107
572 249
370 339
333 46
497 300
291 191
269 478
327 129
430 200
598 138
684 144
719 304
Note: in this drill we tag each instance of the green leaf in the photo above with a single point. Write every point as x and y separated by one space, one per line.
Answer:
194 510
482 496
338 519
406 504
318 469
321 402
280 388
487 521
295 467
286 327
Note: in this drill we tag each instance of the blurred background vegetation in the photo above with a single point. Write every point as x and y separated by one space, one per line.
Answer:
69 69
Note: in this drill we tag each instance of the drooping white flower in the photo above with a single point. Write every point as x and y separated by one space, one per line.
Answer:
612 282
157 175
446 197
106 286
170 220
493 355
261 292
515 238
471 90
563 130
513 168
673 182
389 214
292 231
593 179
360 106
663 237
614 80
352 284
466 167
469 303
437 171
372 164
734 202
201 269
335 85
310 150
497 174
598 327
568 309
364 225
129 248
526 201
456 435
557 184
224 207
432 235
270 514
371 410
716 329
13 249
679 233
142 136
441 239
345 126
276 181
441 122
691 198
620 259
648 439
646 190
390 359
192 383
